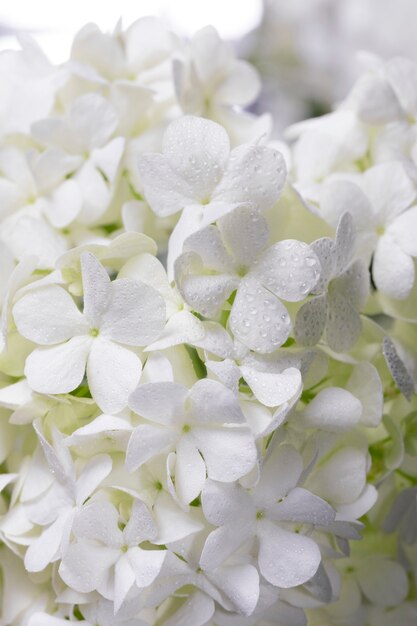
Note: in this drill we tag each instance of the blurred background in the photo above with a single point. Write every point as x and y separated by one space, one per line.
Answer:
305 50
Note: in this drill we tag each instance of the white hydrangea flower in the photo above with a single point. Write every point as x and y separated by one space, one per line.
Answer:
342 291
380 203
198 174
261 513
204 426
210 82
56 508
101 546
116 314
86 132
233 256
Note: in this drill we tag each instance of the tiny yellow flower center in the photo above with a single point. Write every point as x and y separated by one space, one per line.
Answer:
94 332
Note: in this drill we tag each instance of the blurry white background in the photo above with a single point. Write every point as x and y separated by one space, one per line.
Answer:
54 22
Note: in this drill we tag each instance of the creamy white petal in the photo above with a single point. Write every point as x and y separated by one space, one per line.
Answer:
212 403
333 409
98 521
124 578
136 313
311 321
146 442
48 315
165 190
146 564
58 369
86 565
190 470
159 402
290 269
258 319
92 475
383 581
255 174
403 230
343 326
113 372
392 269
280 473
96 288
273 389
198 150
245 233
389 189
286 559
198 609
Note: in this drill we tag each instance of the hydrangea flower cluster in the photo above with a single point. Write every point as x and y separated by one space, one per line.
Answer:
208 343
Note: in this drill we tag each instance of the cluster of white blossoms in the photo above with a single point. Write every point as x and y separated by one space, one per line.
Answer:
208 343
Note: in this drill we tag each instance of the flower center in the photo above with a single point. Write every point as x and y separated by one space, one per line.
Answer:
94 332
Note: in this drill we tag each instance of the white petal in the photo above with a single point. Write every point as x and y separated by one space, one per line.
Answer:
273 389
342 478
399 372
392 269
165 190
64 204
229 453
208 244
366 384
258 319
190 470
212 402
390 190
240 584
95 471
182 327
44 550
223 503
286 559
146 564
124 579
354 284
197 149
197 610
159 402
325 250
245 233
113 373
341 196
225 541
403 230
285 462
86 565
173 523
344 325
98 521
136 313
384 582
140 526
290 269
254 174
48 315
93 119
345 242
302 506
146 442
333 409
241 85
96 288
311 321
58 369
207 294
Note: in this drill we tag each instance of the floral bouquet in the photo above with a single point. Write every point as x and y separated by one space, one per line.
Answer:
208 342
